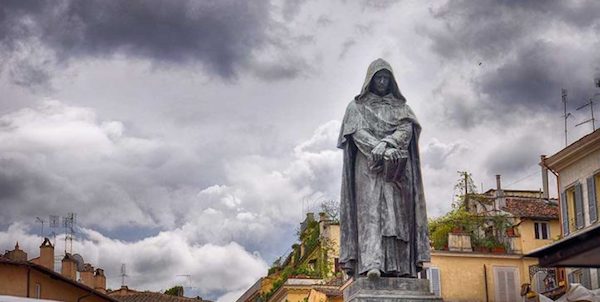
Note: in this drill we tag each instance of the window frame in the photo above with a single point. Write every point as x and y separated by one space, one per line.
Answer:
429 276
538 230
571 193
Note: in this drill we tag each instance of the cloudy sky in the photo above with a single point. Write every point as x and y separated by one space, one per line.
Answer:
190 137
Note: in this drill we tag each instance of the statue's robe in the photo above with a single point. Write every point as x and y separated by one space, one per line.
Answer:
383 216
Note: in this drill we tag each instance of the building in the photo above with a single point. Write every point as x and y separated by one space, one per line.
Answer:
36 278
484 258
124 294
577 169
309 272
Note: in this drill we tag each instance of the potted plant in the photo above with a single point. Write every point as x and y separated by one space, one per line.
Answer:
499 249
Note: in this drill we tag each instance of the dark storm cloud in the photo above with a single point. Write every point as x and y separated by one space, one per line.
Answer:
537 73
486 29
512 159
514 61
221 35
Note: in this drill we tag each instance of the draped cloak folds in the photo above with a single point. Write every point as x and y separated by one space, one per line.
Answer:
383 219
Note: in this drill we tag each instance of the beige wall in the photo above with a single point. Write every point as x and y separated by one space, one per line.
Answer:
580 171
462 275
291 294
13 282
527 233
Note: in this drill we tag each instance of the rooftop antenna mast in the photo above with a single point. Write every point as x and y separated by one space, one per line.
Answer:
123 274
40 220
69 223
591 104
566 115
189 280
53 223
592 119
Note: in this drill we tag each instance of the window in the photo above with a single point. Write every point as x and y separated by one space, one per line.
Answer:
312 264
593 189
38 291
541 230
572 208
336 265
581 276
435 283
506 284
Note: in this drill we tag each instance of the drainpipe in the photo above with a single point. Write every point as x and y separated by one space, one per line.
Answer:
485 282
500 201
546 194
560 271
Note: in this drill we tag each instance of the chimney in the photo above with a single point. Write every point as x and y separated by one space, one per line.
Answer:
545 194
47 254
86 276
500 200
17 254
69 267
100 280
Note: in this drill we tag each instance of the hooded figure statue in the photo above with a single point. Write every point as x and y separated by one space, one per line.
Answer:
382 205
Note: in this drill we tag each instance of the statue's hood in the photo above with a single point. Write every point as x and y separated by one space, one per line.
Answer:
374 67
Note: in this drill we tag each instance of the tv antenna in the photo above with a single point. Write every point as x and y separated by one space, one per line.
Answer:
188 278
592 119
123 274
69 223
41 221
53 223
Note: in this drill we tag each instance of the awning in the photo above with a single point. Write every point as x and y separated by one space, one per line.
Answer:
581 249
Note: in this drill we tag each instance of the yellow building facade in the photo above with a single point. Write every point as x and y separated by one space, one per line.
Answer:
308 273
469 275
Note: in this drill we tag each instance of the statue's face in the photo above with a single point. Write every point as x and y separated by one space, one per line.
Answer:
380 84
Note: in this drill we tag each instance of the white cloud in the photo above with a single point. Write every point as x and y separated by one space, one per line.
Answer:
154 262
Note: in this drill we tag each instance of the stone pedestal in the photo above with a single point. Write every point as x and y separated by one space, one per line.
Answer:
389 290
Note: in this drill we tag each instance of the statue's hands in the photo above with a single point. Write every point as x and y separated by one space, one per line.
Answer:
392 154
378 151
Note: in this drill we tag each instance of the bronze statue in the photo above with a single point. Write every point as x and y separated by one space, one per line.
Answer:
383 216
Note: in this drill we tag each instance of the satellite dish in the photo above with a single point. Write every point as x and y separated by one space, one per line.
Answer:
79 261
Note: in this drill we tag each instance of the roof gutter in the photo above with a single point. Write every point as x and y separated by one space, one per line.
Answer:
84 296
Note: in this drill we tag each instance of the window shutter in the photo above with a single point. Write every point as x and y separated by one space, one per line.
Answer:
565 213
544 230
506 284
579 206
591 188
571 278
586 278
434 281
501 285
511 290
536 230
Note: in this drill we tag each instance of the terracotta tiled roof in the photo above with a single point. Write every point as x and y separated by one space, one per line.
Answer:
152 297
56 276
129 295
531 208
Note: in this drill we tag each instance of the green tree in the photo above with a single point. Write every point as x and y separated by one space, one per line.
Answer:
175 291
465 186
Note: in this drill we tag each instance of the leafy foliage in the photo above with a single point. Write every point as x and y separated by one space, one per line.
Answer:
311 263
175 291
